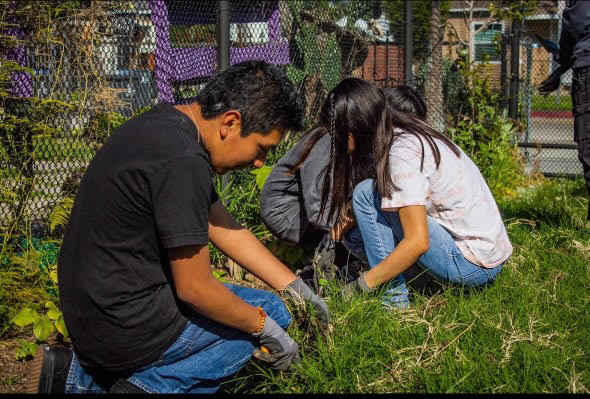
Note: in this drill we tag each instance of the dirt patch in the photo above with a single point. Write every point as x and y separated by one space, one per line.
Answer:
13 373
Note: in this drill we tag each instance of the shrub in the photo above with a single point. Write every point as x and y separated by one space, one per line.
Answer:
484 132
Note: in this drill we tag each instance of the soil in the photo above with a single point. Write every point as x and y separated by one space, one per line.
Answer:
13 373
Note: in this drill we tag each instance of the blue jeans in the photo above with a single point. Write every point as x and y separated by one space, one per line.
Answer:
380 231
202 356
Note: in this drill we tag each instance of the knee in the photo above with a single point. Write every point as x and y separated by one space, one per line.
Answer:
277 310
362 194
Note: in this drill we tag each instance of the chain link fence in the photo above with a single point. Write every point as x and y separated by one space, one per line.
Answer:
75 70
78 76
547 141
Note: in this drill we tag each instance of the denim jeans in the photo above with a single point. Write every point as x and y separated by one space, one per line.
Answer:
380 231
200 359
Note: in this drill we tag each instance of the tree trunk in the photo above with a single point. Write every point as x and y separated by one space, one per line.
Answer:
433 94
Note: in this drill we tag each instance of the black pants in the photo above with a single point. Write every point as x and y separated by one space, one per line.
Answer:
581 100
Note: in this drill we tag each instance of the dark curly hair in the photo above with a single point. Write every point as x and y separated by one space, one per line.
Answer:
263 94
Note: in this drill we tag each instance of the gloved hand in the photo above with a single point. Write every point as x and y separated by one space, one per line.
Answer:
357 286
552 82
301 291
282 350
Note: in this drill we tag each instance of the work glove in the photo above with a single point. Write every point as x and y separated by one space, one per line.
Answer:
357 286
552 82
282 350
300 291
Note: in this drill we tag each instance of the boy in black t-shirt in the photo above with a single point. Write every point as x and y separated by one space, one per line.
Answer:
137 293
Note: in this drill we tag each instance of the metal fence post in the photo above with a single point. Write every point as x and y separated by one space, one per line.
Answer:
504 87
222 30
514 68
408 42
223 45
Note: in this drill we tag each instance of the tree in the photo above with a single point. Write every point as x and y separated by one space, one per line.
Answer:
394 10
503 10
433 85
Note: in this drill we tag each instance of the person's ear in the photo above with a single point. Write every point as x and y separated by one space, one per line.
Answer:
231 123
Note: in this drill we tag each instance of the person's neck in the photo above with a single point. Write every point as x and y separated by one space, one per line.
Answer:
204 126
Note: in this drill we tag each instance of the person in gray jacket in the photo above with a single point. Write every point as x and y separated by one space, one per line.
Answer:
290 202
574 52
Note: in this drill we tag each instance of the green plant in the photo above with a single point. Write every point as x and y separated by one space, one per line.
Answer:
485 133
525 333
43 326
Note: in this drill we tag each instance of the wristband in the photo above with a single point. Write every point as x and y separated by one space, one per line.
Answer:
262 320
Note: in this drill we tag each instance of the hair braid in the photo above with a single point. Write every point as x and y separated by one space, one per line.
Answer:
332 130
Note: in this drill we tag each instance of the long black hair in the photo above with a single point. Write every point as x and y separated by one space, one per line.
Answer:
407 100
356 106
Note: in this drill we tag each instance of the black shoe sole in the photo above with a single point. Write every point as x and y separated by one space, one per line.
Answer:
36 383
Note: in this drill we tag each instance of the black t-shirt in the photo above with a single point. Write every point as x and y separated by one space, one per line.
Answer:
148 188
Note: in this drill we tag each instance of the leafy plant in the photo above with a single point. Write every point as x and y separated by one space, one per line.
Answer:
291 255
43 325
61 212
485 133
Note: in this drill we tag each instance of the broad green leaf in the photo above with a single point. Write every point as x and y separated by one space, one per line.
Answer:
25 350
60 324
261 175
43 328
25 317
53 312
53 275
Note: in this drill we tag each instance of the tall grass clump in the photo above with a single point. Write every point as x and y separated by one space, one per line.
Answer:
527 332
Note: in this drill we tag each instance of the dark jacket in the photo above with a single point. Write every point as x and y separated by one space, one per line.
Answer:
290 202
574 42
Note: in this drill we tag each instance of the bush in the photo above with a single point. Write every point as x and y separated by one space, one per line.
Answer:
484 132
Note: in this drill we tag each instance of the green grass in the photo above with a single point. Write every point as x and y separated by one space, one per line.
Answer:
551 102
528 332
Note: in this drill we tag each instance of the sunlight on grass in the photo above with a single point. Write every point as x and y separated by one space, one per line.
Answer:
529 332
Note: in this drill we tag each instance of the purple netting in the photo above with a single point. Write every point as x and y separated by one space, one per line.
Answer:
180 64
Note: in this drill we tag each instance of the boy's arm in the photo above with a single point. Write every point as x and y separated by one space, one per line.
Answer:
196 286
244 248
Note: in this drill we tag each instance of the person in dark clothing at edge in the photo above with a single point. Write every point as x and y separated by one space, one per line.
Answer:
290 202
574 52
143 309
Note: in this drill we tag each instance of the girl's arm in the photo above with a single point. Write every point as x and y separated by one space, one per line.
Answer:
409 249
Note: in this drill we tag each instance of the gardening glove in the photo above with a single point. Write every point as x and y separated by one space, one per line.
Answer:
552 82
357 286
300 291
282 350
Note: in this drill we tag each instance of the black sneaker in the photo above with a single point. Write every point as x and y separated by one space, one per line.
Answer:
50 370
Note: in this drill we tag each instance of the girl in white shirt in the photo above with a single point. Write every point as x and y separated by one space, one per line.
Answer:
415 196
